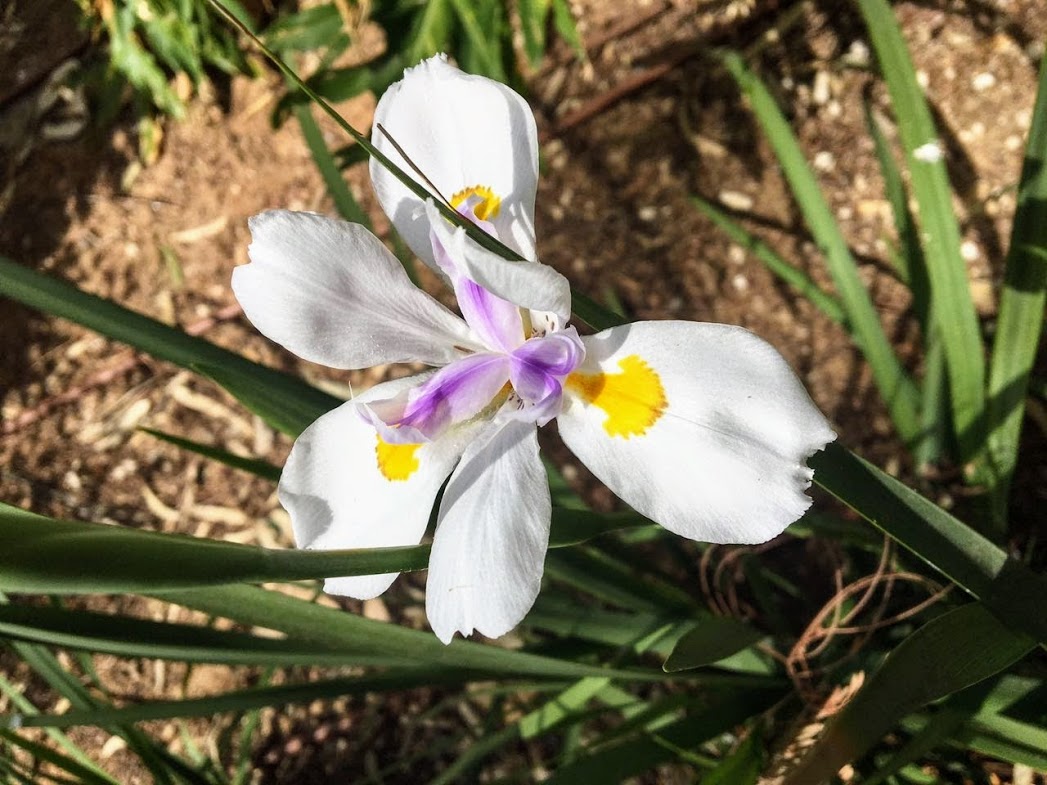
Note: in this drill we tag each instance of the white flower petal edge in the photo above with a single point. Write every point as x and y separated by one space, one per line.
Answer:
703 428
463 131
330 292
531 285
488 553
337 495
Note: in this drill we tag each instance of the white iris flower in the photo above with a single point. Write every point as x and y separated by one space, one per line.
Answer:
703 428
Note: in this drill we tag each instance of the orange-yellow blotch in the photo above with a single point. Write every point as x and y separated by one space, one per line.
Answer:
396 462
486 202
633 399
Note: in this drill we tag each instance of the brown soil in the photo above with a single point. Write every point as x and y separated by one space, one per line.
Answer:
613 215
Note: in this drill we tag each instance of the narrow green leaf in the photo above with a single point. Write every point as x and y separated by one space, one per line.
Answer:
741 767
1020 319
431 32
43 753
304 621
1007 739
243 700
946 543
254 466
563 21
913 269
484 42
950 653
716 713
43 555
160 763
126 636
616 582
956 710
713 639
593 313
533 17
1013 592
934 397
898 390
950 292
265 401
337 188
63 742
796 278
298 402
568 619
555 712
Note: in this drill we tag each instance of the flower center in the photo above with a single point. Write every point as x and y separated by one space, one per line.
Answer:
479 200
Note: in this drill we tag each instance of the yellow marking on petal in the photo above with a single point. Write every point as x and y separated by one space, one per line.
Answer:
487 205
633 399
396 462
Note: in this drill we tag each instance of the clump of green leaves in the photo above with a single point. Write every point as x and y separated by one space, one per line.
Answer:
150 41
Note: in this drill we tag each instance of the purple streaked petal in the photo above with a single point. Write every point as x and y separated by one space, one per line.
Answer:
496 322
455 393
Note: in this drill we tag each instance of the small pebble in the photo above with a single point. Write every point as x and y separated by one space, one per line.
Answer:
983 81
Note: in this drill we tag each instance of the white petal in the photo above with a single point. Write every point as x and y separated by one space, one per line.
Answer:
462 131
724 461
330 292
338 497
530 285
489 549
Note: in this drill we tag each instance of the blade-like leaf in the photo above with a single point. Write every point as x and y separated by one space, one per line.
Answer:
337 188
484 43
712 639
533 17
1012 591
130 637
43 555
954 651
796 278
304 621
716 713
898 390
1020 320
934 413
950 292
42 753
299 403
244 700
253 466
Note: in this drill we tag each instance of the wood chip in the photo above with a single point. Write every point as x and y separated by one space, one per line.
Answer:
198 233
